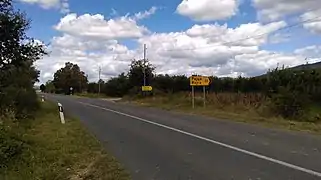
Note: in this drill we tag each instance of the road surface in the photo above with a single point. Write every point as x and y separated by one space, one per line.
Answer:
156 144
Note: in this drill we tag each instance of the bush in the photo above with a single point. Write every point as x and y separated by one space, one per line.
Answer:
11 145
27 104
289 104
22 102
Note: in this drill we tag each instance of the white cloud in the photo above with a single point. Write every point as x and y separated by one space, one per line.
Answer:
276 9
212 48
238 36
97 27
145 14
47 4
208 49
208 10
315 25
310 52
279 37
260 62
113 57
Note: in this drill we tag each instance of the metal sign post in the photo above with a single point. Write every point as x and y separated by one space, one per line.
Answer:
199 81
193 97
204 95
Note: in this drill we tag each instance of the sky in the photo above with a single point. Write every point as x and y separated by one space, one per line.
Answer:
183 37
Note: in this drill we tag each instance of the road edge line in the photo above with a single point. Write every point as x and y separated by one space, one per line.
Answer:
260 156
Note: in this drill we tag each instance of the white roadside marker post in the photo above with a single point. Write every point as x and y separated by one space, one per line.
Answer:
61 113
42 98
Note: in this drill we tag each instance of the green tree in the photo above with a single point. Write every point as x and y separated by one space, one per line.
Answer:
92 87
70 76
18 53
136 73
50 87
117 86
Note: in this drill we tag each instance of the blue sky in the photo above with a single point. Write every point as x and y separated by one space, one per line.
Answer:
174 25
165 20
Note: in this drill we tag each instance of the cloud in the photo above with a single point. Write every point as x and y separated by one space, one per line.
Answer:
314 25
275 9
213 49
259 62
245 35
209 49
97 27
311 53
145 14
88 54
47 4
208 10
279 38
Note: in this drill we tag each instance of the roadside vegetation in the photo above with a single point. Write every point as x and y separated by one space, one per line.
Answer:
51 150
282 97
286 94
33 143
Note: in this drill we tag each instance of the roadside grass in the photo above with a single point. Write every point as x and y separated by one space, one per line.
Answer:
248 108
91 95
55 151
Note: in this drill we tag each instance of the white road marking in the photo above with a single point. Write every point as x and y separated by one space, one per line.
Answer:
260 156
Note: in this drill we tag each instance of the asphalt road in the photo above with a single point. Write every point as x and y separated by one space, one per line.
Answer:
156 144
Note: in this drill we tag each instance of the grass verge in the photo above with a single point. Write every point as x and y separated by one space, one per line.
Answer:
91 95
55 151
236 112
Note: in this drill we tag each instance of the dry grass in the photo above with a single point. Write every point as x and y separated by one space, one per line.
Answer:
91 95
250 108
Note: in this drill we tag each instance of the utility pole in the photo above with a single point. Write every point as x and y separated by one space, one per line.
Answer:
144 68
99 80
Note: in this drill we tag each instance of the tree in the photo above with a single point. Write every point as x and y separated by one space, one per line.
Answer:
70 76
18 52
118 86
50 87
92 87
136 73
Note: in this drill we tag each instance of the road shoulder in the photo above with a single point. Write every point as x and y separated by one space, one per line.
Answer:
245 117
56 151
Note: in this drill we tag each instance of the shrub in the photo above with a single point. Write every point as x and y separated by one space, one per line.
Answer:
11 145
22 102
289 104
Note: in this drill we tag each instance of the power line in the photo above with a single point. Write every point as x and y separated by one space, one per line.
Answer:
239 40
247 38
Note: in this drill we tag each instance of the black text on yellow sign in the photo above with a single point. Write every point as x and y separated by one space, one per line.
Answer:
147 88
199 81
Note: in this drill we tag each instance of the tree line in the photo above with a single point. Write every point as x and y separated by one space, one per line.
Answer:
289 92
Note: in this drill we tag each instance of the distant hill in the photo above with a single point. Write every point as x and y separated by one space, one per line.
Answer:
301 67
308 66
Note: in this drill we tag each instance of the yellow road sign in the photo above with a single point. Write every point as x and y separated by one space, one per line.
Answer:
199 81
147 88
